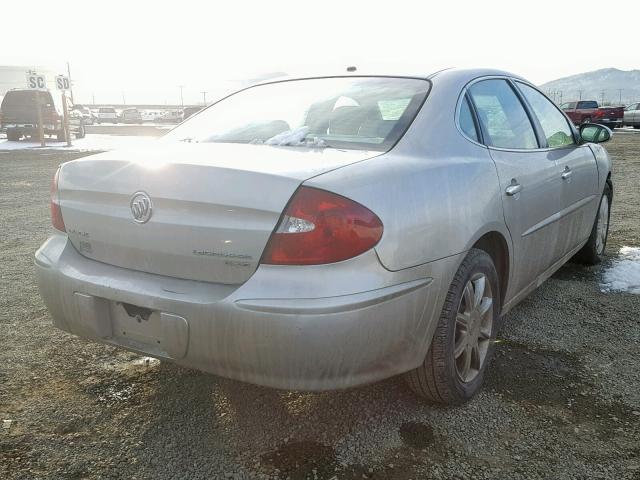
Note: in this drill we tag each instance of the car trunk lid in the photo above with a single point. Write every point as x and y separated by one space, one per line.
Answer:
213 206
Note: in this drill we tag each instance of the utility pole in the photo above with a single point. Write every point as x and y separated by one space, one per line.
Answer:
93 98
620 96
181 87
560 102
124 102
204 98
579 94
70 83
602 97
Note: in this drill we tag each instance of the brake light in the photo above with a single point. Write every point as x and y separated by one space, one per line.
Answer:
56 212
322 227
599 113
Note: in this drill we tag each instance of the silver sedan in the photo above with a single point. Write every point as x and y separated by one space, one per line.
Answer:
323 233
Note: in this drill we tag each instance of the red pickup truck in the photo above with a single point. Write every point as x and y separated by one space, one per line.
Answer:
588 111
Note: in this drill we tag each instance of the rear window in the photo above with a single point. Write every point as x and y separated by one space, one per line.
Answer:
24 97
588 104
366 113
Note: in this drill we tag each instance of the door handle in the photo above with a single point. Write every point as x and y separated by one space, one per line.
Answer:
514 188
567 173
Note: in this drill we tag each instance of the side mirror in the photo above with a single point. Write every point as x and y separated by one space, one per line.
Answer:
594 133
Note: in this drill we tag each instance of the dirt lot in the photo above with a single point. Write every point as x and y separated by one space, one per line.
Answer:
562 400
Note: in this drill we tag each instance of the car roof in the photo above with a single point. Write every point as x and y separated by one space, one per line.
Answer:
459 73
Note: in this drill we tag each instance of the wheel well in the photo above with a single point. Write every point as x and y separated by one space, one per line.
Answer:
496 246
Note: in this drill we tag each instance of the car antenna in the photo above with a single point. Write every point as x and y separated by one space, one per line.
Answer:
351 69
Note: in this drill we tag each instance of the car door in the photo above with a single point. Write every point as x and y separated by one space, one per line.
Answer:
577 170
529 178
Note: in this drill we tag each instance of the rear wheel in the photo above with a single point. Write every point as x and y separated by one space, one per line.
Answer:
81 132
61 136
593 251
462 346
586 120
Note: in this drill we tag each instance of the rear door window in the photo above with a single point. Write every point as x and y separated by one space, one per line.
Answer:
554 124
502 116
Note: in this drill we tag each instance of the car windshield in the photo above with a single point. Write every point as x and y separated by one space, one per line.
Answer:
365 113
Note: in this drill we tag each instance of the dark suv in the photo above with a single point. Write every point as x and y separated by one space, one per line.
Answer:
19 115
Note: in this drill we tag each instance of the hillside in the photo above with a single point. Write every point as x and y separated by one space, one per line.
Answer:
616 84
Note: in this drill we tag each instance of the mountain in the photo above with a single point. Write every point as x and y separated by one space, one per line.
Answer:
619 86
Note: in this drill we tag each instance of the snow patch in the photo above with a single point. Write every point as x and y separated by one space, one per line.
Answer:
290 137
295 137
90 142
624 273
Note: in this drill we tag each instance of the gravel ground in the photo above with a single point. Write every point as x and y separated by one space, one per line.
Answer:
562 399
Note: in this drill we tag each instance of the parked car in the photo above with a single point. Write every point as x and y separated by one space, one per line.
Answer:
87 116
107 115
188 111
131 115
19 115
374 227
150 115
170 116
587 111
632 116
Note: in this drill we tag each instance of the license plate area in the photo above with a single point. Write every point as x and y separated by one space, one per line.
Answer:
137 324
151 331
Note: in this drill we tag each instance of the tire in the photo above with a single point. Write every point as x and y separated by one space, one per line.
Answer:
13 135
81 132
60 136
593 251
586 120
444 376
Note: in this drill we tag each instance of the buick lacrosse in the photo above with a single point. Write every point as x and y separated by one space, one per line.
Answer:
324 233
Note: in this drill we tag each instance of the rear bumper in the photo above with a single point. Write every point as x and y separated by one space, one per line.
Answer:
32 129
249 332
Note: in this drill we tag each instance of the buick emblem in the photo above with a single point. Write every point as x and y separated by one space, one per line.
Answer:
141 207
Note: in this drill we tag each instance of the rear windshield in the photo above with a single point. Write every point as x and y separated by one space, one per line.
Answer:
588 104
365 113
24 98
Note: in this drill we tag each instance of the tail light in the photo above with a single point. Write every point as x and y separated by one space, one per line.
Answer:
56 212
322 227
599 113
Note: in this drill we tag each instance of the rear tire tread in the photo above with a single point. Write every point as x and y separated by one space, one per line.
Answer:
588 254
430 380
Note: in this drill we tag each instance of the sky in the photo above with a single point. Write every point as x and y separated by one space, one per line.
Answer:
144 50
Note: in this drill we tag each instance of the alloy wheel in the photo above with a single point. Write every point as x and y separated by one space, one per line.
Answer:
474 323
